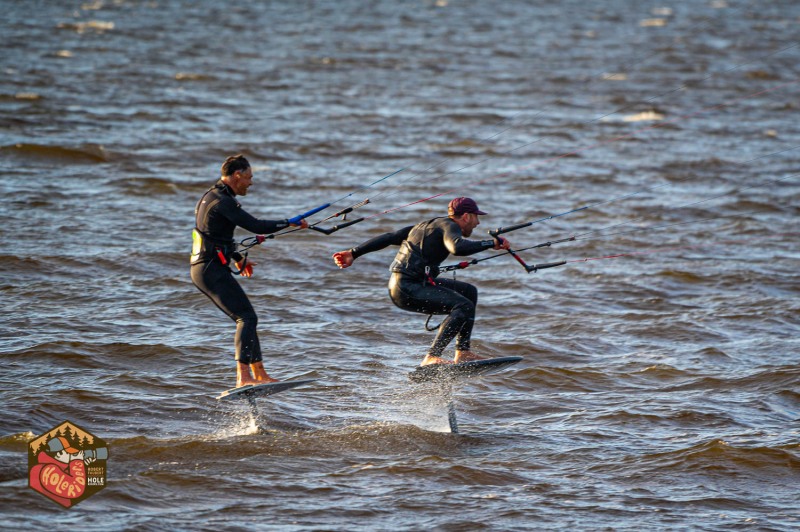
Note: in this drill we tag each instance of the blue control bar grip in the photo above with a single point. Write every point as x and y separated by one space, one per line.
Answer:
296 219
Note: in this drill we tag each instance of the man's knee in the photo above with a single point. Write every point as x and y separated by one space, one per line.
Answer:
468 291
472 294
464 310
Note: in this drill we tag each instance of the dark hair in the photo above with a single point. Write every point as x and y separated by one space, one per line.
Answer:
233 164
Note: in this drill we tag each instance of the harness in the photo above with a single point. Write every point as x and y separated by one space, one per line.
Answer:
411 261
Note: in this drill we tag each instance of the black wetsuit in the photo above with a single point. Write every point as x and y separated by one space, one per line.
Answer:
414 285
216 216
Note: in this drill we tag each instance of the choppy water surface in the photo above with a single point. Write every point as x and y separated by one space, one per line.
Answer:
659 390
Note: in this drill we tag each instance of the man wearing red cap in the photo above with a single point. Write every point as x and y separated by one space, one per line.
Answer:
414 286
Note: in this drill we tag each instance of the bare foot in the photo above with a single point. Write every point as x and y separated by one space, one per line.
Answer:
467 356
429 359
243 376
260 374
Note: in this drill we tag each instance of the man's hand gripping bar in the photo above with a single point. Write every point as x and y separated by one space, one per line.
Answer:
496 235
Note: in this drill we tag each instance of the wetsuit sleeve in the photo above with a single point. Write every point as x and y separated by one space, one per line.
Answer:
231 210
379 242
457 245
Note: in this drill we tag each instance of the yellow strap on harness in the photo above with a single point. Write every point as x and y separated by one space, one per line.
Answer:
197 244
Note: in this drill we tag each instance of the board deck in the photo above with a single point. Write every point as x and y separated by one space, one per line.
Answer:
261 390
464 370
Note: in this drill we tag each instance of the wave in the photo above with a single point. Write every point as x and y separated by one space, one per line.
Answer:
238 440
98 26
719 456
24 96
563 379
150 186
697 164
476 116
94 153
191 76
78 354
716 458
774 379
680 418
16 441
645 116
683 276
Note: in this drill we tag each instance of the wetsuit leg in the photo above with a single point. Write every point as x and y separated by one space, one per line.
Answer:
469 291
217 282
454 298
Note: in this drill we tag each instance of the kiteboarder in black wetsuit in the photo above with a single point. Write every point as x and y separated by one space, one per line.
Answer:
413 285
216 216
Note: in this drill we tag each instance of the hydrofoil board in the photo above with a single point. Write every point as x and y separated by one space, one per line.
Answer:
261 390
463 370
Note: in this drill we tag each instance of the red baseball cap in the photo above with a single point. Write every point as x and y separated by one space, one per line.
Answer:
461 206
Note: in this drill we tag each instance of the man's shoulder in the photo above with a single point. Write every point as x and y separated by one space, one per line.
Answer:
228 199
440 222
223 198
445 224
